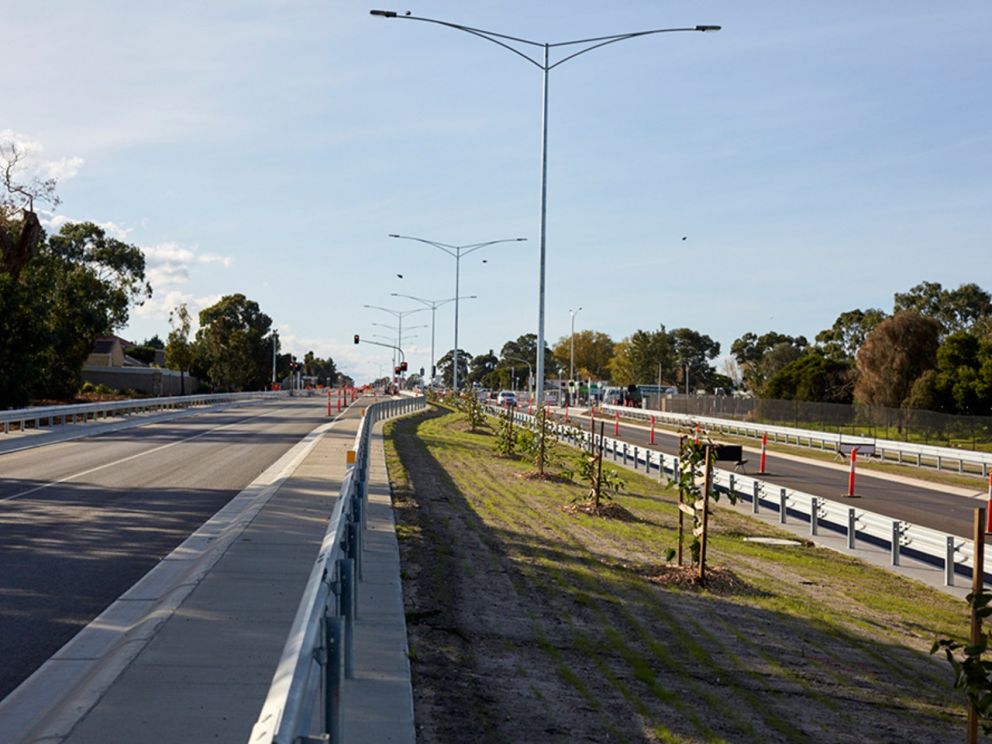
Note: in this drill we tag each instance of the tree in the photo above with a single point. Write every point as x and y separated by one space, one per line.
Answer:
324 370
956 309
642 358
898 351
752 354
482 367
961 381
843 339
525 347
813 377
234 342
695 350
178 349
593 351
446 367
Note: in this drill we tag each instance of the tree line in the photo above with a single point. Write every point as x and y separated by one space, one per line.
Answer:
932 351
59 293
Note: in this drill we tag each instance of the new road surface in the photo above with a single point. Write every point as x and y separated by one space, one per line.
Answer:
81 521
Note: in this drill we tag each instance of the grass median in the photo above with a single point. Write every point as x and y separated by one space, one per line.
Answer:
529 622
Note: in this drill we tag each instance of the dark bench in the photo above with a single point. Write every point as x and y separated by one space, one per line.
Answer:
730 453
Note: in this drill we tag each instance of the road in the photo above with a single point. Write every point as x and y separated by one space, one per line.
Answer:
82 521
917 504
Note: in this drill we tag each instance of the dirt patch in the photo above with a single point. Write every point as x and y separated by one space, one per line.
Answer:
718 580
606 510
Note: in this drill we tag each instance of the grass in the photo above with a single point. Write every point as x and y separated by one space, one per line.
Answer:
817 643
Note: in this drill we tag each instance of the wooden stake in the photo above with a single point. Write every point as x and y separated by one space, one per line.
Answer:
977 583
706 511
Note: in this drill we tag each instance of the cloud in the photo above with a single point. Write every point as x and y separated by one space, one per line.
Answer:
33 164
55 222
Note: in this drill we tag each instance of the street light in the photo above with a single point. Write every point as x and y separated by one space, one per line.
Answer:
571 353
433 305
587 45
457 251
530 371
399 315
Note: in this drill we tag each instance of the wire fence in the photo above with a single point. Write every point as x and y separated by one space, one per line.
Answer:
911 425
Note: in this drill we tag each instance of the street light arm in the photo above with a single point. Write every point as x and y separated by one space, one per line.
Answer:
449 249
466 249
481 33
605 40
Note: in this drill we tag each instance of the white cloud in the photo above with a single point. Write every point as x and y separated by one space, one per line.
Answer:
33 165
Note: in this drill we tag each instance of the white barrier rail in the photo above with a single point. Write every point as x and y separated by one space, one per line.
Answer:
83 412
951 553
904 453
318 652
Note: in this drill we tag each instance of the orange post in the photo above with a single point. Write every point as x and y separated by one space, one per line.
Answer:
764 447
328 401
652 430
850 478
616 425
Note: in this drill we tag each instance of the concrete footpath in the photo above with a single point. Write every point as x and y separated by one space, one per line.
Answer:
188 655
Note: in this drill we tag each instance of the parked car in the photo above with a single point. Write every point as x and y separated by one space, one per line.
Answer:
506 398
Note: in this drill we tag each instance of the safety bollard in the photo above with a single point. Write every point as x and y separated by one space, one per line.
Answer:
851 528
756 497
652 430
896 537
814 515
949 562
782 506
850 478
764 448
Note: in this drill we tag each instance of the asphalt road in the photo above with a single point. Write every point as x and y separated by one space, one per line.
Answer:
82 521
928 507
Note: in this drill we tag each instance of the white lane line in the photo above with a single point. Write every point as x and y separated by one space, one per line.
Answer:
135 456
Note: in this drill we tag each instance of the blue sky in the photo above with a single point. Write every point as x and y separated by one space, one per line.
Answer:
816 156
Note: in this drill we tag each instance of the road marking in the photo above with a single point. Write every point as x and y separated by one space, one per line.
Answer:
137 455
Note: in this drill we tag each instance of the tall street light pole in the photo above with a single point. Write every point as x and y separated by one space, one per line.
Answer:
544 64
399 315
457 251
571 350
433 305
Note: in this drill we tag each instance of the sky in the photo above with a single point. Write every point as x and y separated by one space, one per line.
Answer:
815 157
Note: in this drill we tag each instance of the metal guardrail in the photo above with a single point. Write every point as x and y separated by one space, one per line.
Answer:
83 412
950 553
920 455
317 657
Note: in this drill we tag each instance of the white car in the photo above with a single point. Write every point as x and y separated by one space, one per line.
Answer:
506 398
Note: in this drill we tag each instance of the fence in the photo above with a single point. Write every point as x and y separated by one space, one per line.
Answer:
318 655
951 553
83 412
927 427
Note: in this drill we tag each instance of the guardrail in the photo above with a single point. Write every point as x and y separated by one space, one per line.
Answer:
904 453
951 553
83 412
318 653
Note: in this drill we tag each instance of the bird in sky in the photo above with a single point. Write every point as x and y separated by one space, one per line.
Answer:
684 237
400 276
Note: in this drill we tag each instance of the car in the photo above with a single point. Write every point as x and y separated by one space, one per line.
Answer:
506 398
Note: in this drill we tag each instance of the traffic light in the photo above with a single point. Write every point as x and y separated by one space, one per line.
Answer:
403 366
396 370
356 338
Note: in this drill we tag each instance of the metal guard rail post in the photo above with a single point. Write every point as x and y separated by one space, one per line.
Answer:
318 654
952 553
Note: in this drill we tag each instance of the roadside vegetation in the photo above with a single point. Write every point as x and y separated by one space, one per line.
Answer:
532 621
